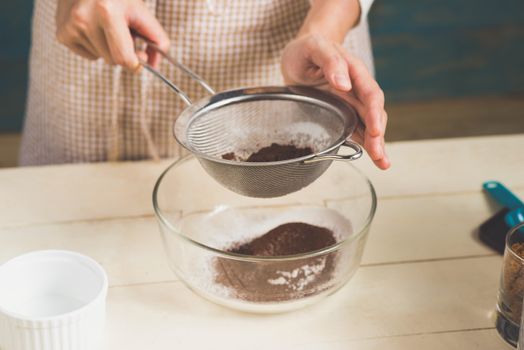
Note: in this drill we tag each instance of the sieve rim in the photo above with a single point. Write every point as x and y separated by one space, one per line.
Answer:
347 114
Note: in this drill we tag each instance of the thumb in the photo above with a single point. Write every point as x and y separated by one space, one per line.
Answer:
334 66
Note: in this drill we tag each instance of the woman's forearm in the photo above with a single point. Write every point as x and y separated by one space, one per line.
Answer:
331 18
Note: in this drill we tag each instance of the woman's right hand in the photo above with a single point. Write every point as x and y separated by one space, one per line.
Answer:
102 28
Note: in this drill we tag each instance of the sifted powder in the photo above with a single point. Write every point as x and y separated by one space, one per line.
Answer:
279 280
234 228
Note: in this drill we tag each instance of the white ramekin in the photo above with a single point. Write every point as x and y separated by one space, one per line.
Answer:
52 300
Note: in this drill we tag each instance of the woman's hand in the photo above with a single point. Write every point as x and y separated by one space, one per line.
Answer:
316 61
101 28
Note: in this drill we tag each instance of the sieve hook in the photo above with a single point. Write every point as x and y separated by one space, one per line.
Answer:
177 64
354 146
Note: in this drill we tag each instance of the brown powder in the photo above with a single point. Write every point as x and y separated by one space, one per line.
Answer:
271 281
229 156
273 153
513 283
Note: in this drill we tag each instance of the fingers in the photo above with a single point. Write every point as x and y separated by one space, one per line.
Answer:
368 93
305 57
80 45
98 39
325 55
369 103
383 163
373 144
94 29
83 52
83 41
376 150
120 42
153 57
147 25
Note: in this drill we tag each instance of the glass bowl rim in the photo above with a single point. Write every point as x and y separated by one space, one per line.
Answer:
241 257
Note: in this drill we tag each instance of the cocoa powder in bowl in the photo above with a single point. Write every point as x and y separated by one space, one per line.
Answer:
272 281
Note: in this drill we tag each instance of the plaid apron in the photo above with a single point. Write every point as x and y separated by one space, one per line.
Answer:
84 111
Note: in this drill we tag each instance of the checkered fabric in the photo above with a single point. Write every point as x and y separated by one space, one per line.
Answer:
83 111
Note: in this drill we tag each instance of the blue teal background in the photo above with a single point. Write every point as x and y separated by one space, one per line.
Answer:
15 28
424 50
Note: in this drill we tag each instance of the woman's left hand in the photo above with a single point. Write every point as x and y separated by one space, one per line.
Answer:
316 61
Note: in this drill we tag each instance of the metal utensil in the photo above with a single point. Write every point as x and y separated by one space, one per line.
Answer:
244 120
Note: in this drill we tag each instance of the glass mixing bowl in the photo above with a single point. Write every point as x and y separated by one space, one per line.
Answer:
201 221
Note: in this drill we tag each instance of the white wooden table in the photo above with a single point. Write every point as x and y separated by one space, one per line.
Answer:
425 283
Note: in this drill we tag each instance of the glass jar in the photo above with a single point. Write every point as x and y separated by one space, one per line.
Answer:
511 290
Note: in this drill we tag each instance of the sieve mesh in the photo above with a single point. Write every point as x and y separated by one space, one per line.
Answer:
242 122
244 128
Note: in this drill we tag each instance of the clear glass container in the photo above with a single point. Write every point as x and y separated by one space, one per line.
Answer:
200 221
520 345
511 289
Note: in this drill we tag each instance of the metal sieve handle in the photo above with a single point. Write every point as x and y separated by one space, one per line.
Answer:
168 82
177 64
354 146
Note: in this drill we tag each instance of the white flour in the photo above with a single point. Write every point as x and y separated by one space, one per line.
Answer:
302 133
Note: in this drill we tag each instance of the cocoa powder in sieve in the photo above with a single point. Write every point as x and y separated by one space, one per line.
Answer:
271 281
274 152
229 156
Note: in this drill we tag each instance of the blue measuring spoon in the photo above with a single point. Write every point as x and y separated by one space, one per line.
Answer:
506 198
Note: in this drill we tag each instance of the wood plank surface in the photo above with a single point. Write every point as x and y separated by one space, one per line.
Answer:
425 281
37 195
404 230
379 302
460 340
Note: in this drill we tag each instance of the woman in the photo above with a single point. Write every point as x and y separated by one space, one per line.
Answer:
83 109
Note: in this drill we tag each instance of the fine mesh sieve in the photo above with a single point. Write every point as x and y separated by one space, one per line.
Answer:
243 121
